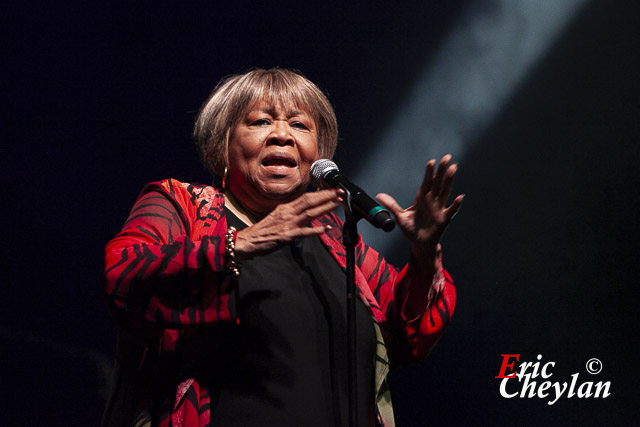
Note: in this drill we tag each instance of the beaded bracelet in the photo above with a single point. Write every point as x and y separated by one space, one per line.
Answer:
231 265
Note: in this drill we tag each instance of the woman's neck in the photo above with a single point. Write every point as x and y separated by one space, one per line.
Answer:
244 214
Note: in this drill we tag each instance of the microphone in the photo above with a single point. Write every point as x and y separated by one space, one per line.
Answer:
325 174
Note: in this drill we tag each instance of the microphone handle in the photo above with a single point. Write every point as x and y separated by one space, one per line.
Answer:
364 205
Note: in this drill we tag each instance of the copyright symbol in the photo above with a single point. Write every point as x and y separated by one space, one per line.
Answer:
594 366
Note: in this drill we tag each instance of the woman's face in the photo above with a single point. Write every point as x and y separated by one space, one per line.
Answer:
271 150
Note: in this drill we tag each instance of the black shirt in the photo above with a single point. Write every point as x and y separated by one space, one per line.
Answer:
285 364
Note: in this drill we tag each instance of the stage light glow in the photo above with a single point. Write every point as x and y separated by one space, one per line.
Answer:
488 52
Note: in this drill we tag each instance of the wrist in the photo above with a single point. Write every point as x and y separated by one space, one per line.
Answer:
425 254
243 246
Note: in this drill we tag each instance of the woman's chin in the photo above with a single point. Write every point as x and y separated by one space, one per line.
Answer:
283 193
282 190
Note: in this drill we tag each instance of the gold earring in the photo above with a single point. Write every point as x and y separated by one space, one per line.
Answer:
224 180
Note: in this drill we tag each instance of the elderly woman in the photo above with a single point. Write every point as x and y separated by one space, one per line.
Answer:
230 299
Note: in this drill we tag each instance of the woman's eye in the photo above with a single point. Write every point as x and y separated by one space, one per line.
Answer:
261 122
299 125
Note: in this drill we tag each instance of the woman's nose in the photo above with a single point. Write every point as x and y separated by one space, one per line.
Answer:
281 133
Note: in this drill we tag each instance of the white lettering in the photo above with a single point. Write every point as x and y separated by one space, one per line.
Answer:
585 393
503 389
528 386
544 369
574 379
541 390
523 368
600 386
559 392
536 366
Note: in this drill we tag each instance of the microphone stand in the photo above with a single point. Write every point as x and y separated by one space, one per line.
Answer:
350 240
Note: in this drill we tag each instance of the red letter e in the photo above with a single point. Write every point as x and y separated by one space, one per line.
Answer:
505 365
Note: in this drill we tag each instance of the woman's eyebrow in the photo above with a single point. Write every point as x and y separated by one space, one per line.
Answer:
268 110
290 113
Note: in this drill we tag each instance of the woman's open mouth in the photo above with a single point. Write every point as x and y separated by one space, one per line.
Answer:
279 162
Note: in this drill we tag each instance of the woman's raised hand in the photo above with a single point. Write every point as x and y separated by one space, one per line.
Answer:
286 223
424 222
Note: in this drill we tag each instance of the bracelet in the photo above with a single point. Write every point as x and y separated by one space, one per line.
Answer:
231 265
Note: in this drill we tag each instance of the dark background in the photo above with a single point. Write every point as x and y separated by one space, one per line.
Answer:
100 99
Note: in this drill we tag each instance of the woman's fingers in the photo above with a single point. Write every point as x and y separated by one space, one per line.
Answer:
447 184
310 206
288 222
311 231
452 210
390 203
437 181
427 180
311 200
312 213
440 184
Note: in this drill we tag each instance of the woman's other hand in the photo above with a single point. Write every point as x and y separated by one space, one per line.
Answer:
286 223
424 222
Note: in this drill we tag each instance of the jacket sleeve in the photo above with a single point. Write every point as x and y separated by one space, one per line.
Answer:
157 273
412 337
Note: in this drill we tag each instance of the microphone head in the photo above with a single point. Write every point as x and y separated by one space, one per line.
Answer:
318 170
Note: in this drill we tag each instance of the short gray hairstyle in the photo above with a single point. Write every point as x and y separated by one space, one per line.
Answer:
234 95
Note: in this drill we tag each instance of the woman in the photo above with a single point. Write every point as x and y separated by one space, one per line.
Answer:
230 299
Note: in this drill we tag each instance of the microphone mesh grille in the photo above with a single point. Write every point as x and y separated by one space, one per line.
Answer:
319 168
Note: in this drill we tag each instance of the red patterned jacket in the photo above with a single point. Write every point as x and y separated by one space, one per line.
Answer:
165 282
